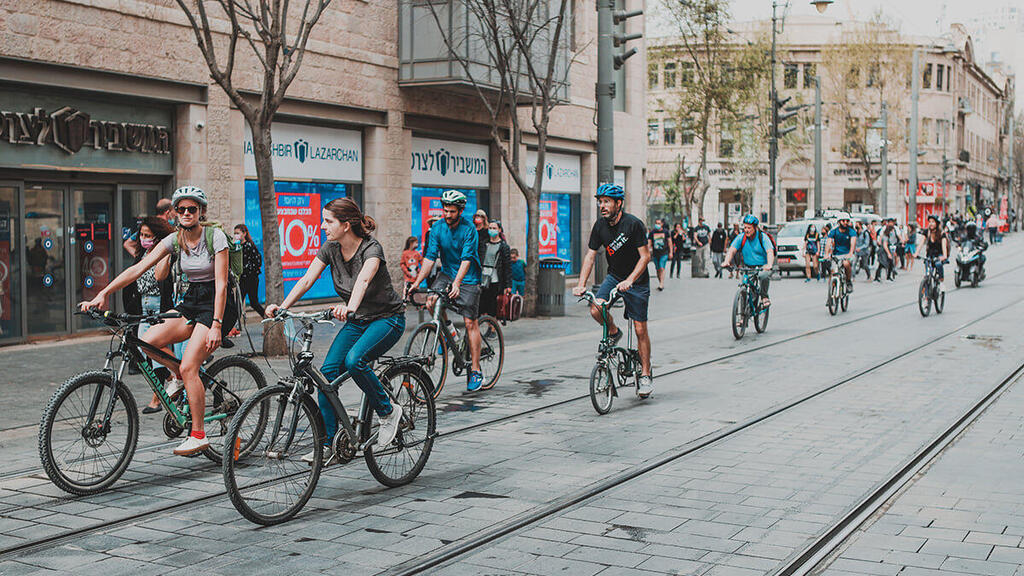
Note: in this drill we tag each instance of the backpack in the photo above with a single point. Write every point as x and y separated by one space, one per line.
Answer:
236 262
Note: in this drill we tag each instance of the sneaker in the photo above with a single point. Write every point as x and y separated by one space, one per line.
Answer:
192 446
616 337
173 386
849 288
152 409
328 457
389 425
475 381
645 387
226 344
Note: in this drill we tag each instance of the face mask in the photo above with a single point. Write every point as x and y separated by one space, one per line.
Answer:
147 243
493 233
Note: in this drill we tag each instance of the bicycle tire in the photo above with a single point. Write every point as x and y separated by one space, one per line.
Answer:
957 280
602 388
844 302
275 401
739 313
761 320
54 465
975 278
490 332
418 413
939 301
217 429
924 297
832 303
437 361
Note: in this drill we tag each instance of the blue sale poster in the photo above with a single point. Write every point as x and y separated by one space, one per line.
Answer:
426 204
555 236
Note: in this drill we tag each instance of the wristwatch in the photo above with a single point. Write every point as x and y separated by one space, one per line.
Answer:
218 320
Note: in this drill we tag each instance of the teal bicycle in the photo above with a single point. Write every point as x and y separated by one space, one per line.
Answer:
616 366
90 428
747 303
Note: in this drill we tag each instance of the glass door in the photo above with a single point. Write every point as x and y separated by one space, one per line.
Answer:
10 263
46 301
92 215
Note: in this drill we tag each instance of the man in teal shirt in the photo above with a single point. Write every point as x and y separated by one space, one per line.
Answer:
756 250
454 239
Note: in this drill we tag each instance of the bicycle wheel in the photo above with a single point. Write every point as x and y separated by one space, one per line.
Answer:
957 280
271 483
833 296
602 388
844 302
924 297
492 351
436 365
939 299
739 314
79 454
402 461
235 380
761 320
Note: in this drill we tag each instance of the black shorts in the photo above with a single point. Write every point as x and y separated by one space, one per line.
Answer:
468 302
197 307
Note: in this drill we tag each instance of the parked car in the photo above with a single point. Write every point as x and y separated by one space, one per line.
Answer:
790 241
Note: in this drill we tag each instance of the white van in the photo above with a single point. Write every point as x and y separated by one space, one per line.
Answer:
790 241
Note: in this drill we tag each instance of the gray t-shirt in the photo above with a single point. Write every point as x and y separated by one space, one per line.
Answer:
198 264
380 300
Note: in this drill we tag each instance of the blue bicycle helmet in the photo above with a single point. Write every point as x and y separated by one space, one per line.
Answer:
751 219
613 191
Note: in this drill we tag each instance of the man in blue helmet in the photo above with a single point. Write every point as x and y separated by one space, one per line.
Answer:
625 243
755 249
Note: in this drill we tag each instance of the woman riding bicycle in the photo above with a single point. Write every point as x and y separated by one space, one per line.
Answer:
374 314
206 311
936 248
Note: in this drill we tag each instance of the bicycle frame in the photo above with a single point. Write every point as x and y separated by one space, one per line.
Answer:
624 359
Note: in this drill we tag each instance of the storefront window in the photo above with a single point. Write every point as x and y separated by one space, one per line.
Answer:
299 213
796 203
10 265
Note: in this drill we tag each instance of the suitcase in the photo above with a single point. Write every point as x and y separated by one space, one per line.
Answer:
510 307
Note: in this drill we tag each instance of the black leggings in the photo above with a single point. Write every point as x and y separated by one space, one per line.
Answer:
676 267
250 288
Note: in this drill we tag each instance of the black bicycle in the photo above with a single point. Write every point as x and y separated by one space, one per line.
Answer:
90 427
747 303
929 292
272 480
616 366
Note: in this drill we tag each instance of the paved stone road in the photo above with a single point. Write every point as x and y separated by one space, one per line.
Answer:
777 484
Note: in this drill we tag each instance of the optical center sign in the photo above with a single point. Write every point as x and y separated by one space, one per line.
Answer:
310 153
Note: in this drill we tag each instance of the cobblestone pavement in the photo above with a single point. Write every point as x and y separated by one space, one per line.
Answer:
737 507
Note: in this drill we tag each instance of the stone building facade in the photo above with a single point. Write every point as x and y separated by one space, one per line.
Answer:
107 105
962 111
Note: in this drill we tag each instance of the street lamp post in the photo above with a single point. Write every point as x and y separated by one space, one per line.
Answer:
885 160
817 146
915 89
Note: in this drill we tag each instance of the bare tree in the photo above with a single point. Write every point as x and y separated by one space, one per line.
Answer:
276 32
869 66
721 82
523 46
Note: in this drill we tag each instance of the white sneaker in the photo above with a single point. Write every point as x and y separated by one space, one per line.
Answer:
192 446
645 387
173 386
389 426
328 457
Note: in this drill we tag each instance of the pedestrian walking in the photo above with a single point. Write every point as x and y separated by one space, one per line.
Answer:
480 222
718 242
887 240
249 283
660 247
517 268
495 279
411 259
863 251
811 247
733 233
911 248
702 249
678 240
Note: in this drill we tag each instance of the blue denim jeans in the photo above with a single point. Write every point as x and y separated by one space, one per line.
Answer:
354 349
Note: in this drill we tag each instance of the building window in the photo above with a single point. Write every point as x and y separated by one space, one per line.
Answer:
940 132
873 75
939 69
686 137
652 76
669 130
670 75
725 147
809 72
686 74
853 78
926 125
926 82
652 132
850 138
790 73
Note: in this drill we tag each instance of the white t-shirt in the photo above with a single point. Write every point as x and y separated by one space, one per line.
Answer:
198 264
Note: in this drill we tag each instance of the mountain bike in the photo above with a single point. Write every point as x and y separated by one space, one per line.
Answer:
434 338
747 303
270 482
616 366
90 427
838 290
929 293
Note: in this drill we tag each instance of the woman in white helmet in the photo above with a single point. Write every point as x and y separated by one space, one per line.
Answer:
206 315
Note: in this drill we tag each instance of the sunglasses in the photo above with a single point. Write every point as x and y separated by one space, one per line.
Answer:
187 209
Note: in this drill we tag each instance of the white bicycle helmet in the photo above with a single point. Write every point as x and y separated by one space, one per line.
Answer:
190 193
453 197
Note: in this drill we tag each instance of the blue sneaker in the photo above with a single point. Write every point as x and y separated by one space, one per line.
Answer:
476 380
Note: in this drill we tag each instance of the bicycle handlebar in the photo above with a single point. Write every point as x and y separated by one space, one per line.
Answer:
282 314
613 297
113 319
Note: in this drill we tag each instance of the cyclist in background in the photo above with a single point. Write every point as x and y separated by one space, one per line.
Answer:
624 241
755 249
455 241
936 246
842 243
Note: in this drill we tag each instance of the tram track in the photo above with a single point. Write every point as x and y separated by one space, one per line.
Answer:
531 517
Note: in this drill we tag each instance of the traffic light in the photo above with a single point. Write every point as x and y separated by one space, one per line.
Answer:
618 17
781 113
